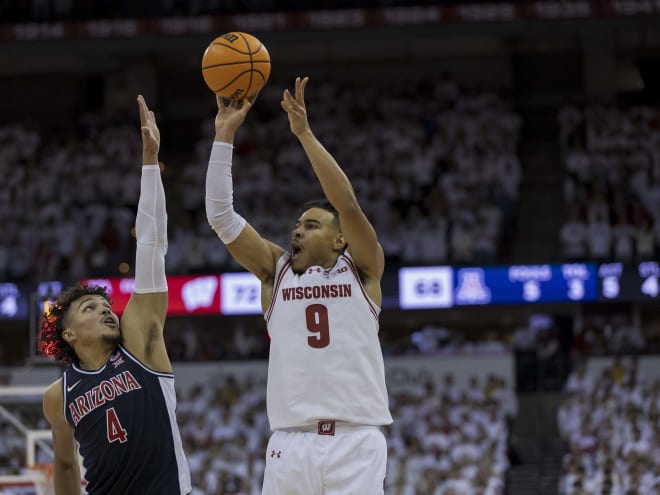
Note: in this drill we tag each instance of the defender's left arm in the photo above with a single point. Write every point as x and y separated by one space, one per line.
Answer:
144 318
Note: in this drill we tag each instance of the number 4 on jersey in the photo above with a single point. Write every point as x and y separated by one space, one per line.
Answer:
116 432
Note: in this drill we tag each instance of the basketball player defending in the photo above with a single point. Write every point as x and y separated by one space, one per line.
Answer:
326 393
115 401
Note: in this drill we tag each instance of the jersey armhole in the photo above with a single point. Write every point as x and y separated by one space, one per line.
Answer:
283 265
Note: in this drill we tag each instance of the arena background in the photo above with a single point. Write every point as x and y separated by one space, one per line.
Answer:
538 112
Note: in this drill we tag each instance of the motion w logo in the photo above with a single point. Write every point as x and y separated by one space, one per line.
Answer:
326 428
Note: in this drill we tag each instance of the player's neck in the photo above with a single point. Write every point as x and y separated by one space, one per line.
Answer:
327 262
93 360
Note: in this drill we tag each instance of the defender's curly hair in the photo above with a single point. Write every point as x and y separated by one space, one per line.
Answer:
51 342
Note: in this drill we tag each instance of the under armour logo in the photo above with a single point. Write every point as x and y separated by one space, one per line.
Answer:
276 453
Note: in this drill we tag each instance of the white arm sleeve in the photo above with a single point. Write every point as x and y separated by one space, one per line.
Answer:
151 233
220 194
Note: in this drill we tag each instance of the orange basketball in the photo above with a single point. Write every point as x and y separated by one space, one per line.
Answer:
236 65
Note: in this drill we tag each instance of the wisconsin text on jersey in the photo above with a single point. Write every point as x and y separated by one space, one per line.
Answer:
106 391
316 292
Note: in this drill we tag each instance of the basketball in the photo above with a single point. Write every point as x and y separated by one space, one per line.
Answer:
236 65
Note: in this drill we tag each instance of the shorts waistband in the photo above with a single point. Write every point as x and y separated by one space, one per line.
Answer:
329 427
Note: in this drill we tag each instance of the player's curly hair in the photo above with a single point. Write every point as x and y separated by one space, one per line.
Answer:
51 325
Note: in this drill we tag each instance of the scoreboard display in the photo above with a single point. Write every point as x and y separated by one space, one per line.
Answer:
408 288
525 284
13 302
633 283
444 287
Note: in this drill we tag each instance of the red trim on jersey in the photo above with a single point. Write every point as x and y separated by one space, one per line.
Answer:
353 268
276 286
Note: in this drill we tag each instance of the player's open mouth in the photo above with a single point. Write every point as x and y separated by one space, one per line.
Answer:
110 321
296 249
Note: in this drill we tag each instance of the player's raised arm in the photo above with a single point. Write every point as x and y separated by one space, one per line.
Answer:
66 474
143 320
357 230
252 251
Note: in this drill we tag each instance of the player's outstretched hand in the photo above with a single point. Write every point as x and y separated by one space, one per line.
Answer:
231 114
295 107
150 133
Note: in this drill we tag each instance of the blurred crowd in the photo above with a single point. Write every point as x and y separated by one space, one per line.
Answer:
446 440
194 339
610 421
611 155
440 182
613 333
58 10
68 200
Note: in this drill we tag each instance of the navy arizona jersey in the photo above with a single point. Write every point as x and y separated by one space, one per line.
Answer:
124 422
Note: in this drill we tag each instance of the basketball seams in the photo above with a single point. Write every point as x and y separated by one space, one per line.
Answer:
233 48
224 64
239 76
263 76
251 62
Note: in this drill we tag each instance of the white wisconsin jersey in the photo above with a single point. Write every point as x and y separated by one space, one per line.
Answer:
325 357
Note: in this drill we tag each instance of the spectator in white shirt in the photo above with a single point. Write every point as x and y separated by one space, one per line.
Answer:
574 236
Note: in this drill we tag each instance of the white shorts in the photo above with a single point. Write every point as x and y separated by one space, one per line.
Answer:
312 461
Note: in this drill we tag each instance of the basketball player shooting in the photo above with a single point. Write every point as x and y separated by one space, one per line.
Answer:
326 392
115 401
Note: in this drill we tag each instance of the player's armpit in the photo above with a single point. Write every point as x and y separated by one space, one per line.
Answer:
142 326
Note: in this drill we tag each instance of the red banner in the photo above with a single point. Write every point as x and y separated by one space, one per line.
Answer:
331 19
188 294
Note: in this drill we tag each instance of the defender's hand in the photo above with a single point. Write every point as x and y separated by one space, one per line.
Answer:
150 133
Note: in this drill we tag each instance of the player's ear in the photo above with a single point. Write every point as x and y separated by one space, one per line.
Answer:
339 243
68 335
